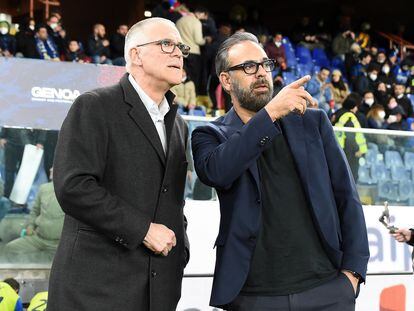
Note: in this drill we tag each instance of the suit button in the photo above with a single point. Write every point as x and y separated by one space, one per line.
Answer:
164 189
262 142
153 273
258 201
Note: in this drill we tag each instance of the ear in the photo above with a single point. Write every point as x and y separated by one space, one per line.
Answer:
135 56
225 80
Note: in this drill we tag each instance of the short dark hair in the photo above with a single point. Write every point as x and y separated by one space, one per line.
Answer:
364 54
201 9
325 68
13 283
222 62
351 101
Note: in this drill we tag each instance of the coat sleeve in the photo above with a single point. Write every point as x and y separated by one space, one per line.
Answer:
219 163
354 233
79 167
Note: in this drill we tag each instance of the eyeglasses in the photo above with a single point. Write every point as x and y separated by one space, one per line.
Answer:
252 67
168 46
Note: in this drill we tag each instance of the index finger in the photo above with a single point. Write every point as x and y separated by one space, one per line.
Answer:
300 82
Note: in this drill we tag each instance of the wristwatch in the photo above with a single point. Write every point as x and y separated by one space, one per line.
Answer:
354 274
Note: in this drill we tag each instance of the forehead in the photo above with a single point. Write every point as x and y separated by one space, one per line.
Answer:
158 31
245 51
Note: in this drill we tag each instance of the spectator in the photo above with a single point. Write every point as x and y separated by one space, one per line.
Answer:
117 45
387 76
163 9
354 144
9 295
381 57
319 88
191 32
362 66
367 81
340 89
402 99
25 38
367 103
75 54
7 41
56 31
341 44
98 46
38 302
373 50
396 119
381 94
363 38
43 229
185 93
410 82
352 58
275 50
376 117
45 47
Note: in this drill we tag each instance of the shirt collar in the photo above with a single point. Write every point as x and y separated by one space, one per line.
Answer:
155 110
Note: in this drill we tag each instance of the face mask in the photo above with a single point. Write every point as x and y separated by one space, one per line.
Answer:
381 61
392 105
386 70
381 114
32 27
53 25
392 119
278 44
369 101
4 30
373 76
400 96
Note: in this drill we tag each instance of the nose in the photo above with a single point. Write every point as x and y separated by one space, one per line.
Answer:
261 72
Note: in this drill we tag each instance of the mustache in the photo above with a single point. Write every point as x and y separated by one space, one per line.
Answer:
261 81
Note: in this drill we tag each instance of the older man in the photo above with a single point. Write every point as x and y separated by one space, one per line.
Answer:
292 232
120 170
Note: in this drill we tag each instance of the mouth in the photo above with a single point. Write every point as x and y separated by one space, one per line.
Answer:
178 67
261 88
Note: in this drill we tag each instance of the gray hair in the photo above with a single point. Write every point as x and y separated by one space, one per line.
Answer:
222 62
138 34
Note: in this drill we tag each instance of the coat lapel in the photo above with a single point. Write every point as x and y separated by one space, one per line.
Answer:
294 132
141 117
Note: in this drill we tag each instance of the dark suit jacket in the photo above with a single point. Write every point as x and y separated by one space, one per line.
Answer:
225 157
112 179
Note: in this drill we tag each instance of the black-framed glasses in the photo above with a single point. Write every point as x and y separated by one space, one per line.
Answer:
252 67
168 46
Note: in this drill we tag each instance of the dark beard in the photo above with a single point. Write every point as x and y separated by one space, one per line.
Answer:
248 100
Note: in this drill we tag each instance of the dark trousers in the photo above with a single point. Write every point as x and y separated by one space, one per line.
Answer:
335 295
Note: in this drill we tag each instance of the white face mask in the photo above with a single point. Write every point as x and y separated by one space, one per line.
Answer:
4 30
392 119
369 101
53 26
32 27
278 44
386 69
381 114
373 76
400 96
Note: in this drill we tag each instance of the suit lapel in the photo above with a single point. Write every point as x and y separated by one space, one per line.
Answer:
141 117
233 124
294 132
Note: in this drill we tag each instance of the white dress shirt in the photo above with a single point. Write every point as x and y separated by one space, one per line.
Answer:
157 112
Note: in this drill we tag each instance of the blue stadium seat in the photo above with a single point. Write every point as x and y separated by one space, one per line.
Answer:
405 190
393 158
304 69
338 63
303 54
291 57
364 175
379 173
388 190
371 157
320 58
373 146
399 173
409 160
288 77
